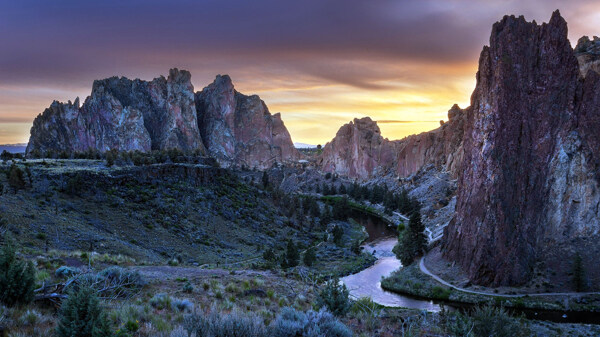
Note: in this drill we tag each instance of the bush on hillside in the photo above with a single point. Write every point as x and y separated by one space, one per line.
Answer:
82 315
17 278
335 297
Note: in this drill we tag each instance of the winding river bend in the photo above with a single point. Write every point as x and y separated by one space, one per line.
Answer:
367 283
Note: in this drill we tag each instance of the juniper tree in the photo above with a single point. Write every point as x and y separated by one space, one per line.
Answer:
17 278
82 315
310 257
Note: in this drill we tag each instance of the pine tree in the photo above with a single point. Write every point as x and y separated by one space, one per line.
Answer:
17 278
411 241
292 256
338 234
15 178
310 257
82 315
265 180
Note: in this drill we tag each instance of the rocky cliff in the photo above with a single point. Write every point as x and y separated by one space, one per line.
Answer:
441 147
528 189
124 115
359 151
165 113
239 129
588 54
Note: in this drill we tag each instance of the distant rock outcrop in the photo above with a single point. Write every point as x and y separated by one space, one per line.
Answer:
239 129
124 115
129 115
359 151
528 189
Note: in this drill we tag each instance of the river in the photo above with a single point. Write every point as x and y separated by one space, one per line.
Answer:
367 283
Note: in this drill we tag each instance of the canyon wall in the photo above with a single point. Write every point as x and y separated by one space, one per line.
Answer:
359 151
528 192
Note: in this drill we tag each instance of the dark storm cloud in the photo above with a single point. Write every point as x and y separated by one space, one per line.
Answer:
69 40
55 49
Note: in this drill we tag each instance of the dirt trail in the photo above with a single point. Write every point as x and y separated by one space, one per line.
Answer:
426 271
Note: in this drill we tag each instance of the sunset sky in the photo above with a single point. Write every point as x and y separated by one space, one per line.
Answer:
318 62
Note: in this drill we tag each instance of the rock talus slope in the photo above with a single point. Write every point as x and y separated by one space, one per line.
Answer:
528 192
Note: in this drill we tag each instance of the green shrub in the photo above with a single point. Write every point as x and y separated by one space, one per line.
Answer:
334 296
234 324
161 301
82 315
440 293
17 278
495 321
293 323
188 287
365 305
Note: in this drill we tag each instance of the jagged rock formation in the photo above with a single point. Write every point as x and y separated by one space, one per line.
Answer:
240 129
588 54
129 115
528 189
124 115
359 151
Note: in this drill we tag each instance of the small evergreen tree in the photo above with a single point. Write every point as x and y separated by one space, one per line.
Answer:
82 315
16 178
335 297
270 258
411 241
578 280
310 256
17 278
315 211
292 256
338 234
265 179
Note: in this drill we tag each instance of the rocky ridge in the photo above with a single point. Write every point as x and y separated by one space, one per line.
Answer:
136 115
359 151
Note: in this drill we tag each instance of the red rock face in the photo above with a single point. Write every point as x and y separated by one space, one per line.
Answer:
528 185
359 151
239 129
